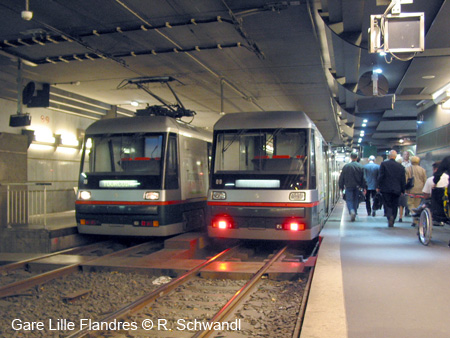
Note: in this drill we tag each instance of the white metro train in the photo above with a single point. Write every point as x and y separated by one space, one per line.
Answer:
142 176
273 177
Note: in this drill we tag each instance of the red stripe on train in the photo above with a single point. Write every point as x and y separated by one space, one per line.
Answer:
265 204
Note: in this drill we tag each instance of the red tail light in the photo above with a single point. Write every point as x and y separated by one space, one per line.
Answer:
222 222
293 225
146 223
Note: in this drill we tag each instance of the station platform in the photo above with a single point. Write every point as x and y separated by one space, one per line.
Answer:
372 281
59 233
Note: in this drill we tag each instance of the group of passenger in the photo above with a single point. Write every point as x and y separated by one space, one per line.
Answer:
388 182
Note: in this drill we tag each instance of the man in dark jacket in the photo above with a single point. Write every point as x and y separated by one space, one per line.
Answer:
391 183
351 179
371 170
444 167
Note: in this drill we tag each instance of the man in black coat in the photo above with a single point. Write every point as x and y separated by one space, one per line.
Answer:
352 179
391 183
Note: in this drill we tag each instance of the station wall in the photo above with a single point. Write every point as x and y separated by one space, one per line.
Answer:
42 161
433 133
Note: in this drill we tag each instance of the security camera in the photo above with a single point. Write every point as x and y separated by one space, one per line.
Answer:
27 15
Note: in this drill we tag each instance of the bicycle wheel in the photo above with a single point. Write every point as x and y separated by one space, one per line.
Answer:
425 226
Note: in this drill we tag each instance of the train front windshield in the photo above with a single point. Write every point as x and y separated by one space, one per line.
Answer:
123 156
266 158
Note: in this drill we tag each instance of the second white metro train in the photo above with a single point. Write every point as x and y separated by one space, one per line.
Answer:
273 177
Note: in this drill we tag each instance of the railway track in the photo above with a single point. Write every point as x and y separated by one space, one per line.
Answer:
242 286
190 306
20 284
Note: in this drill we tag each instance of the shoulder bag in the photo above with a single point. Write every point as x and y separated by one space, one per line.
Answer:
410 182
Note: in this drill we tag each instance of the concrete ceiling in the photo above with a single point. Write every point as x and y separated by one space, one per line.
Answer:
253 55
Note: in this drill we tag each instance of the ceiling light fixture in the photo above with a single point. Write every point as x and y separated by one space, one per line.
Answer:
439 92
446 103
134 103
27 14
442 96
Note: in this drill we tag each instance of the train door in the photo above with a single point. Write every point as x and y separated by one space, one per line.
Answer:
327 178
321 172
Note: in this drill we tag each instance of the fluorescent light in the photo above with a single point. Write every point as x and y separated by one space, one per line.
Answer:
44 135
69 140
446 104
134 103
439 92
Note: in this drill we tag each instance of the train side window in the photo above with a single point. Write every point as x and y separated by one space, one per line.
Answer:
171 181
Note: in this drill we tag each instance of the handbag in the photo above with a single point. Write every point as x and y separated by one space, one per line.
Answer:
410 182
377 201
361 196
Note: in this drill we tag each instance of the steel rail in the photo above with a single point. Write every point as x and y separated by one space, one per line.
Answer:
14 288
22 264
150 297
238 296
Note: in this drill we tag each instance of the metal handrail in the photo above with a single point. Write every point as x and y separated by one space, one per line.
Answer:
21 205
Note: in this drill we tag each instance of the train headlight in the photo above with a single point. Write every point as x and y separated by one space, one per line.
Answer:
85 195
151 195
219 195
297 196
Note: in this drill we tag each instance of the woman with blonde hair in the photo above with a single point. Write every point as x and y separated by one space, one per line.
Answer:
420 177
